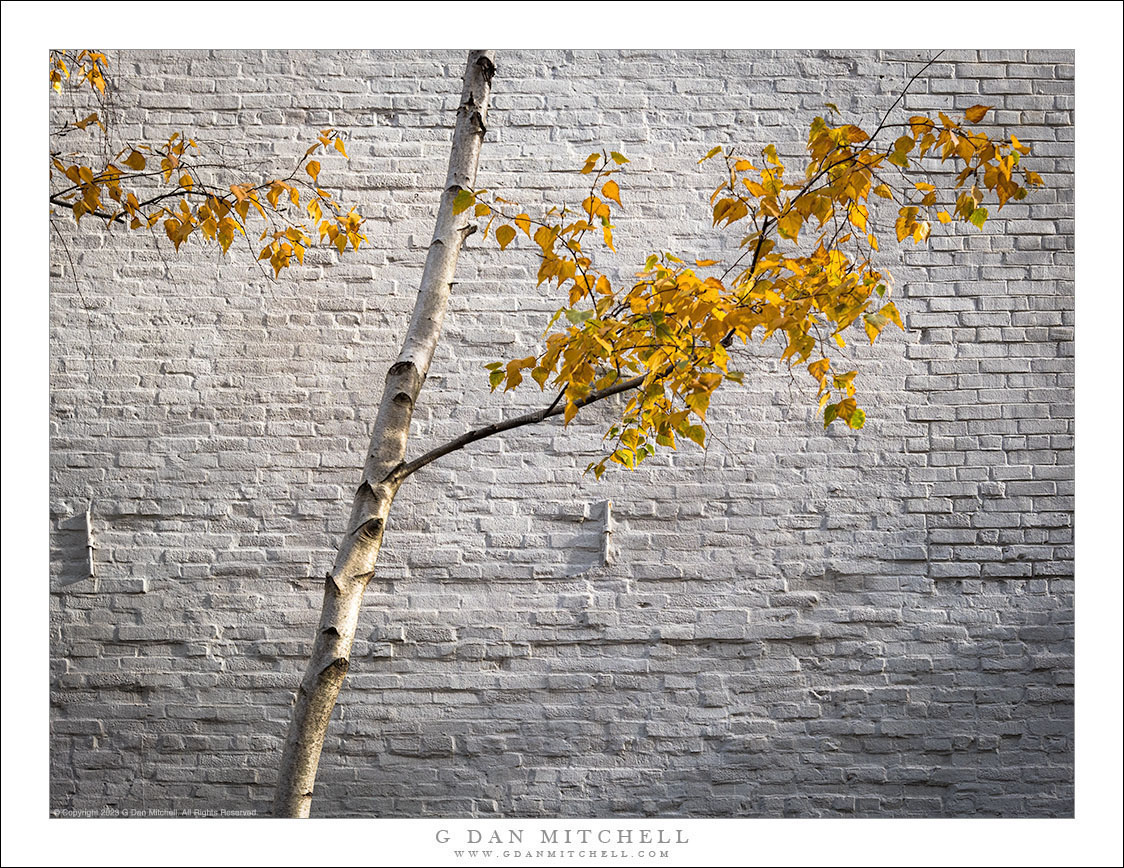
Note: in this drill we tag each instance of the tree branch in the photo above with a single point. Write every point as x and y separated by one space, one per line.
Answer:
110 218
901 96
555 409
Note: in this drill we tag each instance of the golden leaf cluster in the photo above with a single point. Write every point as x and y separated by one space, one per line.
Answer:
169 184
804 275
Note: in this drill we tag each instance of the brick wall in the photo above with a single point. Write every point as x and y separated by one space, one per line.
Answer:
794 623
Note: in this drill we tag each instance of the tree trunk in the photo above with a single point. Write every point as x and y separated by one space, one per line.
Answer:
383 469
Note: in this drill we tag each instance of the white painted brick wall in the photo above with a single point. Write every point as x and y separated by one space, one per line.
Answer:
797 623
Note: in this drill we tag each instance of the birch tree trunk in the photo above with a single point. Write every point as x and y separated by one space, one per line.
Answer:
384 470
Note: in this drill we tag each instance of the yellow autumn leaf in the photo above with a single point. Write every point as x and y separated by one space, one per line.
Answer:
819 369
789 225
135 161
874 323
612 191
462 201
313 168
890 311
976 113
505 235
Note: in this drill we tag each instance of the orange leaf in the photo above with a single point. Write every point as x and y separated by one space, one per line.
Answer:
976 113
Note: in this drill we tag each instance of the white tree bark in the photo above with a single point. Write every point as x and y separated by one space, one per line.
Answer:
383 471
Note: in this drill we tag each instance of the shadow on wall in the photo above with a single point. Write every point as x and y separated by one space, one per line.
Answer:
73 550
